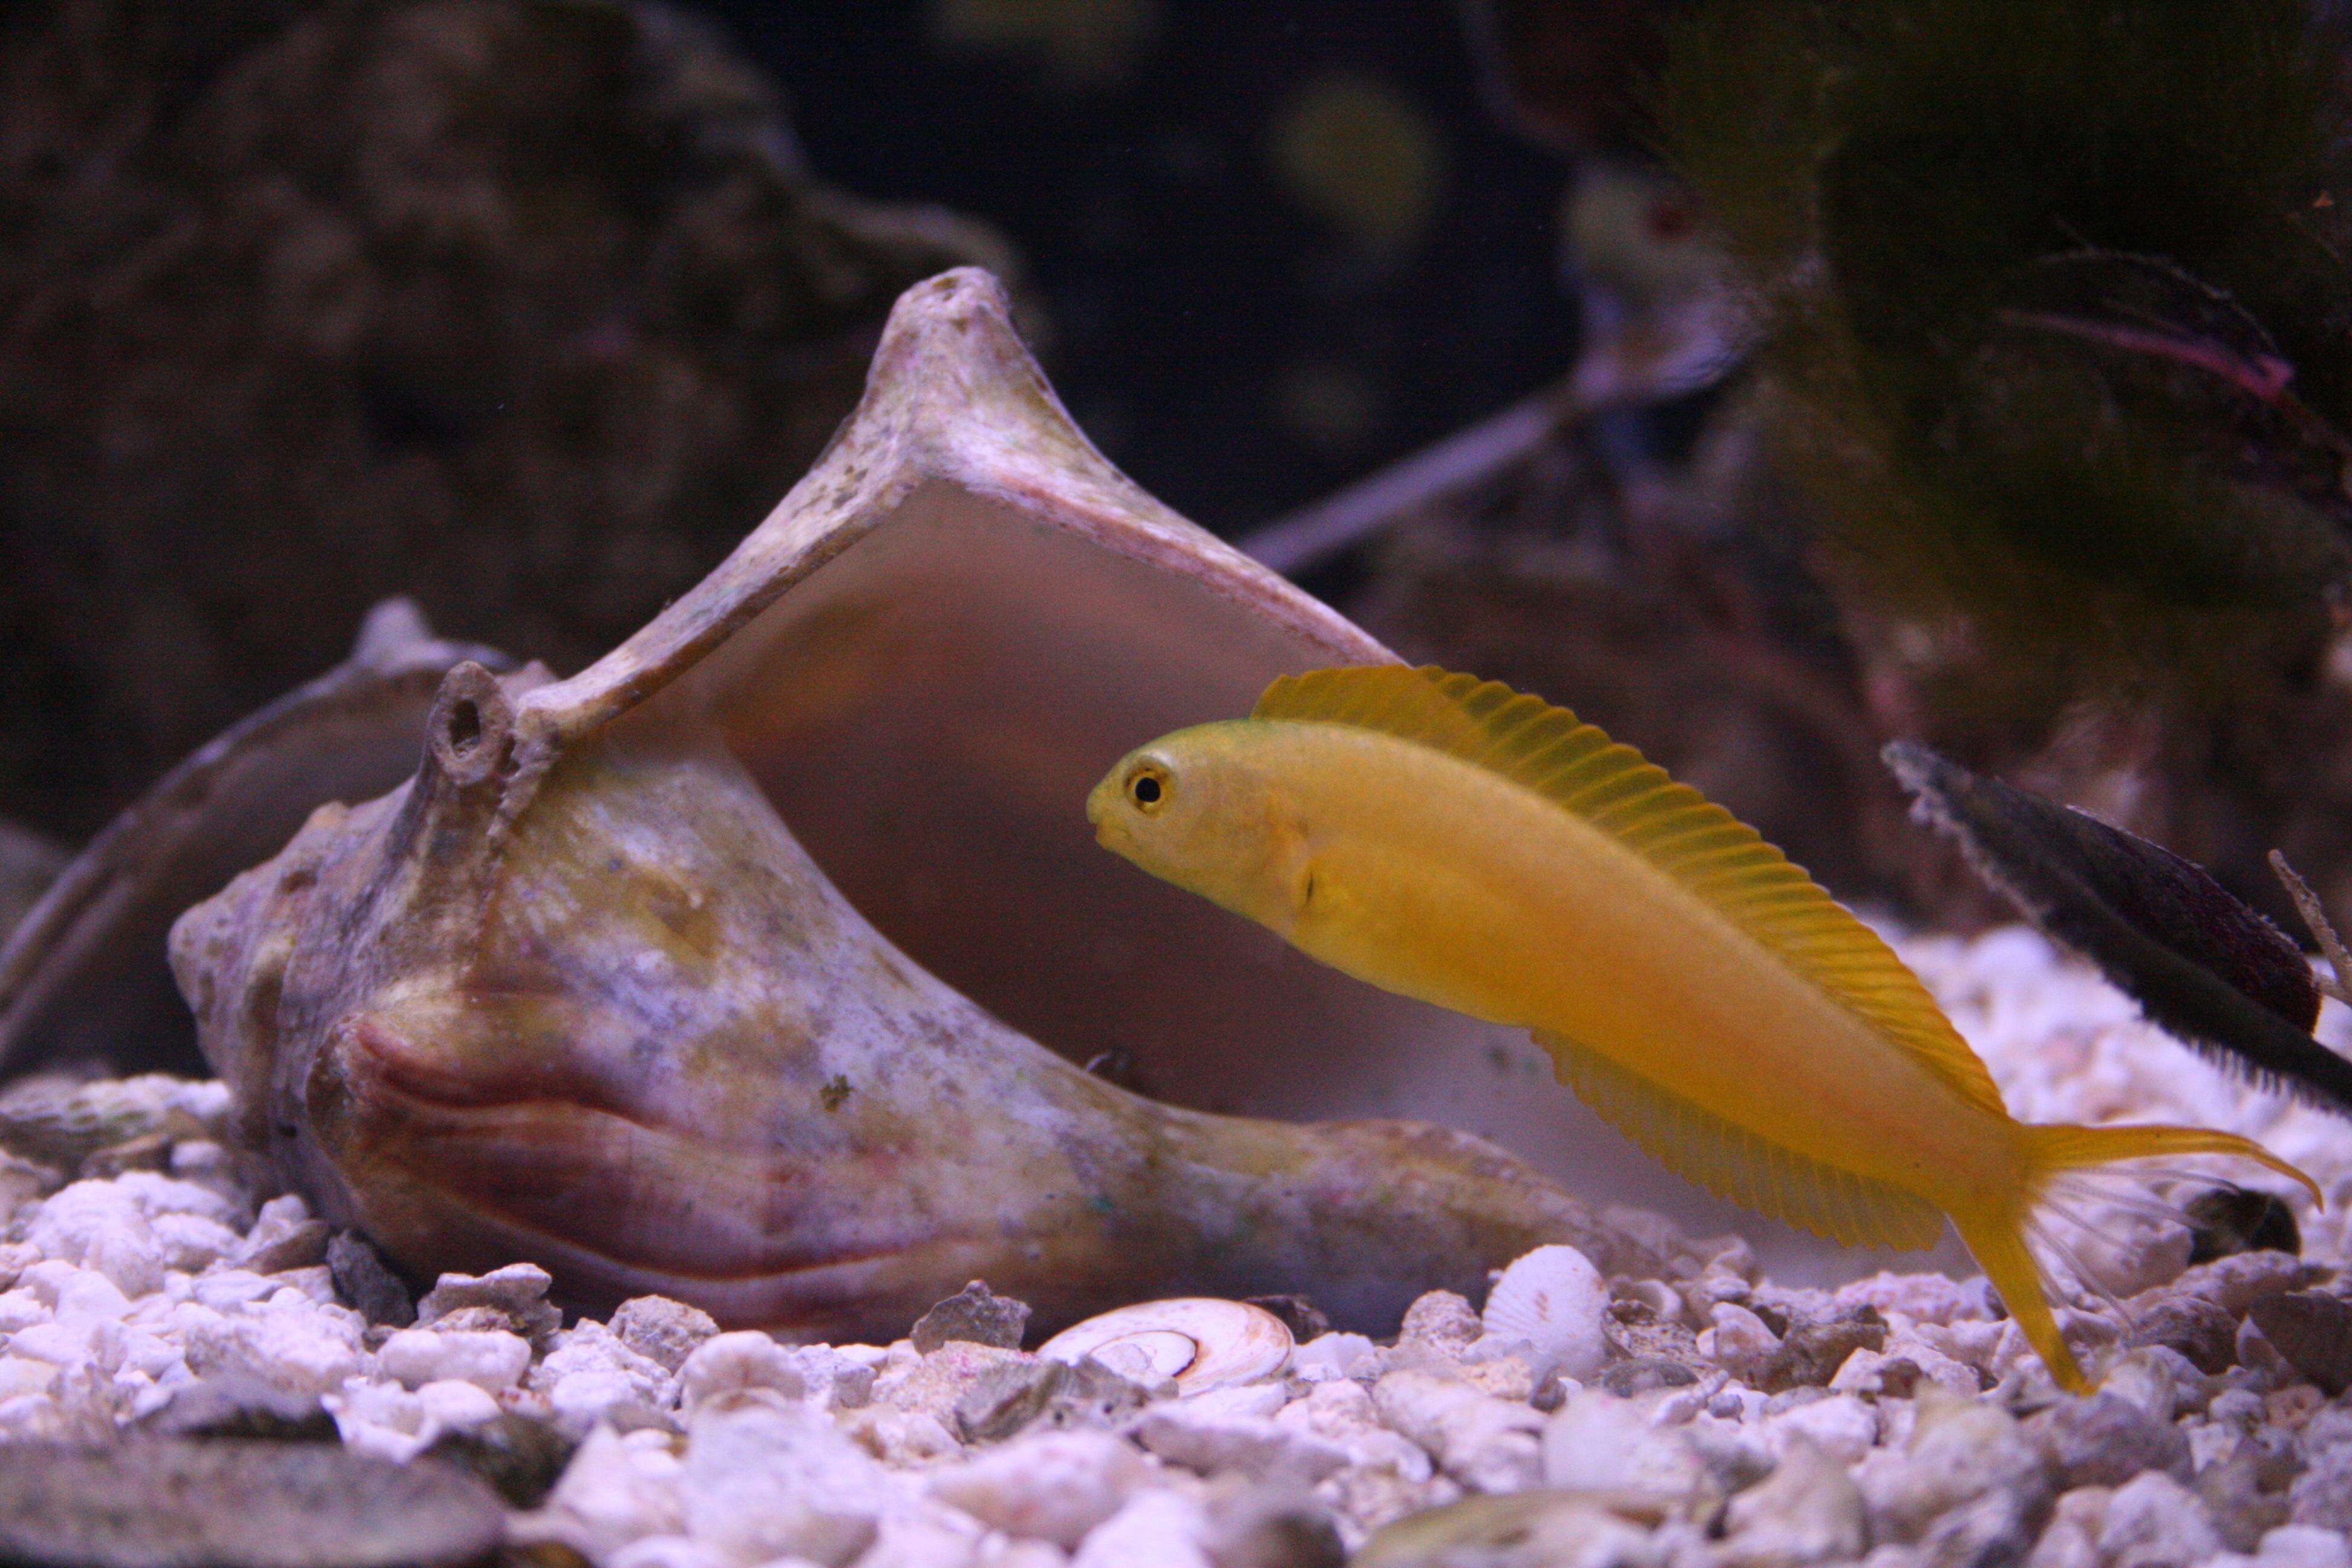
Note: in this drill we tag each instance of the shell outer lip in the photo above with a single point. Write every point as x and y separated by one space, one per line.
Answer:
1232 1341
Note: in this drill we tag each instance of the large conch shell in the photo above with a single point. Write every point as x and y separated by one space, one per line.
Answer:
578 994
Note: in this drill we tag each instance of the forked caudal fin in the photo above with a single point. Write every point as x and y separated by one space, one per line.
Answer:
2001 1239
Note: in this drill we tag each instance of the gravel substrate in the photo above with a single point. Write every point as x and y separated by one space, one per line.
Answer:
1715 1419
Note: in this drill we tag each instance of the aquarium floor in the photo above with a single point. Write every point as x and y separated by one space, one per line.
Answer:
1897 1421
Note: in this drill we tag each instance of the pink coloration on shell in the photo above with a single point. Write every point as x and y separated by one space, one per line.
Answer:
578 993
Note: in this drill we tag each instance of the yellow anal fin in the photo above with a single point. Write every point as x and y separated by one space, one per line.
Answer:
1734 1163
1999 1246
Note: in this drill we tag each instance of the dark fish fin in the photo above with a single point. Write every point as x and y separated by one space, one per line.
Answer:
2201 965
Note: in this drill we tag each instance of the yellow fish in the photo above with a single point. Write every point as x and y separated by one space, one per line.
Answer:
1453 840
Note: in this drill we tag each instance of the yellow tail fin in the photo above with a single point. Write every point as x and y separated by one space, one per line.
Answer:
1998 1239
2051 1150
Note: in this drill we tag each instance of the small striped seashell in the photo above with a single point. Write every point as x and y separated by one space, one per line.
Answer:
1201 1341
1553 1301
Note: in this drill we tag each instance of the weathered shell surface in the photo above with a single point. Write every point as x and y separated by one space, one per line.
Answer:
82 976
1552 1301
578 993
1199 1340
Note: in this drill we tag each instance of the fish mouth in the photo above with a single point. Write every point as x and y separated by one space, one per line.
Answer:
1109 831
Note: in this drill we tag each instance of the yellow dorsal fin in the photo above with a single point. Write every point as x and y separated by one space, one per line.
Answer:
1674 829
1734 1163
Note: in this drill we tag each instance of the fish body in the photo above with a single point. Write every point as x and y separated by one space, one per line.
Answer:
1457 842
1428 875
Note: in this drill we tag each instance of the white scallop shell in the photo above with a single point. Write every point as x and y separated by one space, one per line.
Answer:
1201 1341
1553 1301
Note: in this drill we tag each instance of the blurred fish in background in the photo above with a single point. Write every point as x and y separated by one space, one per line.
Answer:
2054 305
1940 380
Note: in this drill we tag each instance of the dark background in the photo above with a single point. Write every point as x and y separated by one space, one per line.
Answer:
1186 287
531 308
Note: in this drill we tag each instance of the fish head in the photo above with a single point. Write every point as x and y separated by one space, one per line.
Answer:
1202 809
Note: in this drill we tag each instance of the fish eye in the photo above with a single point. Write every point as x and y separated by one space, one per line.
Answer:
1148 787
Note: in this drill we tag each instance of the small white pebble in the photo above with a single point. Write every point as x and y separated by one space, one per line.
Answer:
20 1309
580 1399
88 1299
450 1403
1738 1338
1326 1356
1841 1427
670 1552
1157 1529
2304 1546
1055 1486
729 1363
233 1288
192 1242
22 1376
491 1359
